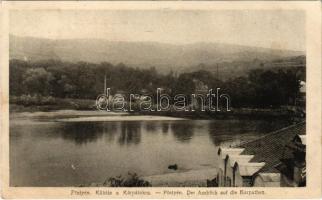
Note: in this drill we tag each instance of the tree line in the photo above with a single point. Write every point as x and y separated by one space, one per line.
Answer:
260 88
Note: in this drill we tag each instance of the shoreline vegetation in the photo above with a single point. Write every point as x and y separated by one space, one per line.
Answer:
50 104
36 103
264 91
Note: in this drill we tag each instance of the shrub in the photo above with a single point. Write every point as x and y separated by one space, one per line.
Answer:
30 100
131 180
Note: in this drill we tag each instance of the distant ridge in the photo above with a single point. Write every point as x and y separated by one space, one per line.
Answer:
139 54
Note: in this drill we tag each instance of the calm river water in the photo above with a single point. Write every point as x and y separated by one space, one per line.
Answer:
49 153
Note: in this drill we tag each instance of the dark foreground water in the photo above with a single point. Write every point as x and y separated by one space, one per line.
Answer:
51 153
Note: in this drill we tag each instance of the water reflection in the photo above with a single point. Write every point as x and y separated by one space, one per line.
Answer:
151 127
109 130
183 131
126 132
165 127
82 133
89 132
130 133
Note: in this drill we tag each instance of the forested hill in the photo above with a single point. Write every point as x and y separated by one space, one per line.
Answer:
81 80
165 57
226 70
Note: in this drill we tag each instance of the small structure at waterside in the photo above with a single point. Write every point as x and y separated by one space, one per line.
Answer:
274 160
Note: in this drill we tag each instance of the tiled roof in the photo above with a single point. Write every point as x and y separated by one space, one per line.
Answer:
270 148
270 177
249 169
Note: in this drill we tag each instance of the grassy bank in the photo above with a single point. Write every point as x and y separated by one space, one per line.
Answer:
27 103
235 113
47 103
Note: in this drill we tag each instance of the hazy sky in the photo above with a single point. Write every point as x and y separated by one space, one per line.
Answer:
276 29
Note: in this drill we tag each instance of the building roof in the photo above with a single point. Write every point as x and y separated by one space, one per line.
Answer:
249 169
240 159
303 139
229 151
270 148
270 177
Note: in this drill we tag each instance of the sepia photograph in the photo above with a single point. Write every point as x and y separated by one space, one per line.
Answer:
161 98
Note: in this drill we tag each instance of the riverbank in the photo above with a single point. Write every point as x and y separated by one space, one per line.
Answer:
74 111
39 103
87 116
111 118
235 113
193 178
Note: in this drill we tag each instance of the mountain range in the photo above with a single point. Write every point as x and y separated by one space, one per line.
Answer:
163 56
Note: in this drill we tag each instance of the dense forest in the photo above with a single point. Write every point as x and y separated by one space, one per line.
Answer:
259 88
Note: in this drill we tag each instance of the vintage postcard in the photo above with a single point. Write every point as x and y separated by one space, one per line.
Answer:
167 99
